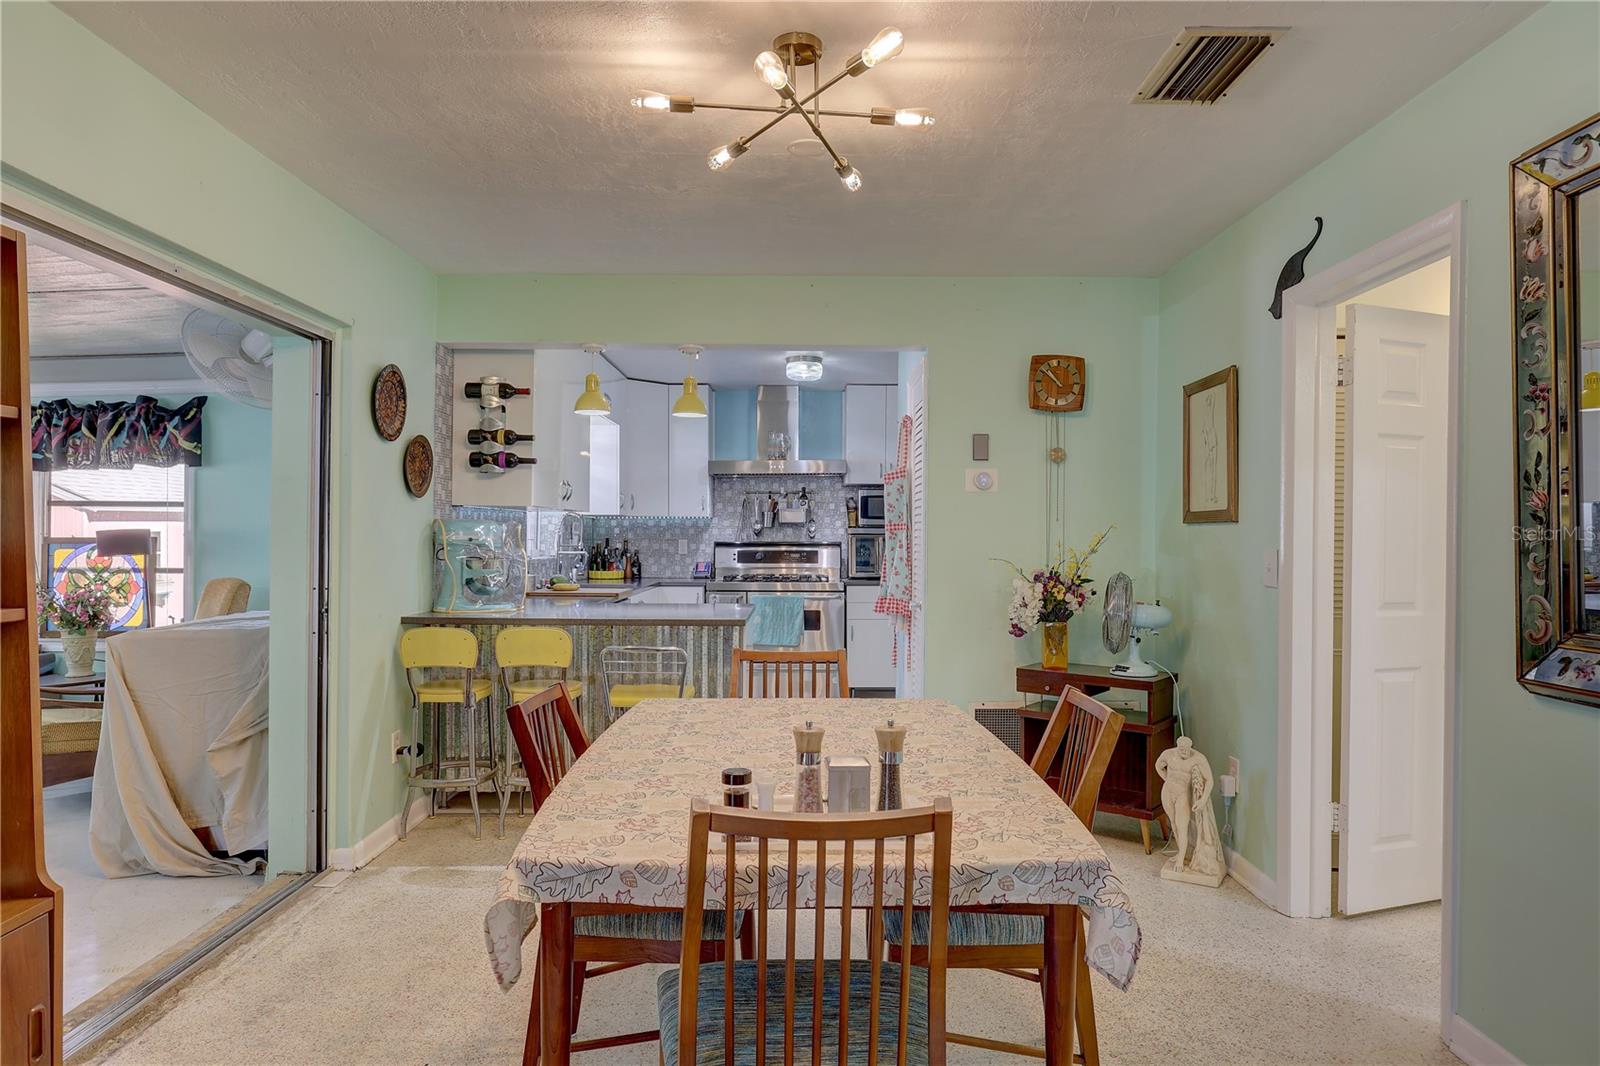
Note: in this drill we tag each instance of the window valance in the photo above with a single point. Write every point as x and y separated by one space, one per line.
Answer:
116 434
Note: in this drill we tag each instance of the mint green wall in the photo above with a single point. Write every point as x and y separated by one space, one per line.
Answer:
1529 948
232 506
111 142
980 333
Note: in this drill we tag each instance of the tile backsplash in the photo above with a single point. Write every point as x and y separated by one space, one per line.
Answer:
669 547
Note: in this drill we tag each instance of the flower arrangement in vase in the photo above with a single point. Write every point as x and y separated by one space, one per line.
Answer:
79 612
1051 597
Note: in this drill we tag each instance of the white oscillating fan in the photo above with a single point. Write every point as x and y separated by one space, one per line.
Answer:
230 356
1127 623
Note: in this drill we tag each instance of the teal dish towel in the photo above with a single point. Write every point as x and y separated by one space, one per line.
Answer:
776 621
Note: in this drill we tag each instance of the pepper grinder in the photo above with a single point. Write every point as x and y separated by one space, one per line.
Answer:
808 768
891 753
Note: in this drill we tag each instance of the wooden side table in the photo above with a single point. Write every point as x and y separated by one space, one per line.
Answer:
1131 787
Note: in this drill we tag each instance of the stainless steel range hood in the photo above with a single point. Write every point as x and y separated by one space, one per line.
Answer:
777 411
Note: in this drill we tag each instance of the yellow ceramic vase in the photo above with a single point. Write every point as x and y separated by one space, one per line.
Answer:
1055 645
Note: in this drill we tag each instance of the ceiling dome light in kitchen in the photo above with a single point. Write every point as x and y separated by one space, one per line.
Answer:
778 69
803 366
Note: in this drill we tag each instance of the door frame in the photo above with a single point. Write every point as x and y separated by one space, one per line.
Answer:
175 271
1305 593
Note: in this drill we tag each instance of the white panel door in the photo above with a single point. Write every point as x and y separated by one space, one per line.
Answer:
645 413
1391 843
689 487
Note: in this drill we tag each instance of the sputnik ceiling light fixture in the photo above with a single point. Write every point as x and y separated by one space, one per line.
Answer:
777 68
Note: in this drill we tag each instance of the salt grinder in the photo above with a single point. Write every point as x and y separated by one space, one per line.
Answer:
891 753
808 768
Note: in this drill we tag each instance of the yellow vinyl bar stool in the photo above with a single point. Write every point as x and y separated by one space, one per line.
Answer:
446 650
519 648
634 673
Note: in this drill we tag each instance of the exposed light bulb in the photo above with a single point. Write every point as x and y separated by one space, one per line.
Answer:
889 43
721 157
650 100
849 176
913 116
770 69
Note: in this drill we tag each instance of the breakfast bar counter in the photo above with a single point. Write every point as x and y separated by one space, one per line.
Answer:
708 632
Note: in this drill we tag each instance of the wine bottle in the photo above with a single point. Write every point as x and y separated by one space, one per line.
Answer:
503 460
503 389
503 437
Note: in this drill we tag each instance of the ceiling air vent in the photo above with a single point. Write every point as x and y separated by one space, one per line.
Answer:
1204 62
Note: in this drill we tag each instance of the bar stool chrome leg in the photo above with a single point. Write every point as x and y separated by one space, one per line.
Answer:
472 766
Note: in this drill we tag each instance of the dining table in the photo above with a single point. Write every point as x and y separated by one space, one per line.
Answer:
613 836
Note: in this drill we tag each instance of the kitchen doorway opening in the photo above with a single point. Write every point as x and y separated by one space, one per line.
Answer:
178 425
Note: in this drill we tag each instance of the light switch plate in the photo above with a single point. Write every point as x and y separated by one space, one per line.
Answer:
983 479
1233 767
1269 569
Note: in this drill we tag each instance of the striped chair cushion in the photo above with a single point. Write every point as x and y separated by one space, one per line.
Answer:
648 925
970 929
709 1017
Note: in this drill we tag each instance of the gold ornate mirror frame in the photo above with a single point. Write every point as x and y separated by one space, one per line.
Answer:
1557 655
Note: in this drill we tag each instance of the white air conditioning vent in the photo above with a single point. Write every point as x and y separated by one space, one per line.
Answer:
1204 62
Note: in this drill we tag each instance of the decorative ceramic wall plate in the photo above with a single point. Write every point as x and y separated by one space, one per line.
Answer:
389 402
418 465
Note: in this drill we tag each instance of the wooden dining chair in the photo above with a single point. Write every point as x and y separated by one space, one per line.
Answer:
856 1012
550 739
790 675
1083 731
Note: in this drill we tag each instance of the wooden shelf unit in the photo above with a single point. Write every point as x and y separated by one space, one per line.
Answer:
1131 787
30 902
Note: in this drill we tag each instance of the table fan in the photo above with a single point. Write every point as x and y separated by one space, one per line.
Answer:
1127 623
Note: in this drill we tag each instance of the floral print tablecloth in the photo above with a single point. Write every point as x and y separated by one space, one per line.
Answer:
616 829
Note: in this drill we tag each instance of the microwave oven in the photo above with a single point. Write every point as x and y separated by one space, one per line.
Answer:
864 560
869 507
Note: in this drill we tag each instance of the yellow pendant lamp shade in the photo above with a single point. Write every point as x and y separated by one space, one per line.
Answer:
1590 399
689 405
593 402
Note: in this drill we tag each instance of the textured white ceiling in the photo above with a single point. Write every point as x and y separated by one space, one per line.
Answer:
76 309
498 137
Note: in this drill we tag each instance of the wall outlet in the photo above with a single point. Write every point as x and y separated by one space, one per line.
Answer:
397 740
1233 767
683 546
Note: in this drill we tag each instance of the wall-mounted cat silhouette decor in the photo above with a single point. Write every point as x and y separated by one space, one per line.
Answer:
1293 272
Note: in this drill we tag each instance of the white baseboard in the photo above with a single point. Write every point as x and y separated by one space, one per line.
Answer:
1469 1045
1260 885
379 840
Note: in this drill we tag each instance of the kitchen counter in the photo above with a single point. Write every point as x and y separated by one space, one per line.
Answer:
542 610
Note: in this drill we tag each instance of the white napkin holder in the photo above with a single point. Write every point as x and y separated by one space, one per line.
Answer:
849 784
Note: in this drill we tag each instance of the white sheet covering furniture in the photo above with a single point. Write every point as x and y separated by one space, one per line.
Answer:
183 745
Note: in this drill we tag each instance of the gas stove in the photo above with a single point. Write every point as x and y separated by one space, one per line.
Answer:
797 569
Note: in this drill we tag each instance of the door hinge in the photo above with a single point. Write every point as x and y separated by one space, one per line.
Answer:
1336 817
1347 372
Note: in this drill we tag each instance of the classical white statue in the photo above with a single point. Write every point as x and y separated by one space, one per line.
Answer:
1186 797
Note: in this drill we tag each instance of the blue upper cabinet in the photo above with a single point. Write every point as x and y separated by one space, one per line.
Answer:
733 424
821 423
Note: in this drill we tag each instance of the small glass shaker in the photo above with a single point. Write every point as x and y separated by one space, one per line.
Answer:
808 769
891 753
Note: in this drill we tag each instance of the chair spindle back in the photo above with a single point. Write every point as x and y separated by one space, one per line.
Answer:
876 829
549 738
1084 731
790 674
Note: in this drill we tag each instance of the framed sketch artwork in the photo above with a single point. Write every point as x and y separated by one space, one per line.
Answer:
1211 448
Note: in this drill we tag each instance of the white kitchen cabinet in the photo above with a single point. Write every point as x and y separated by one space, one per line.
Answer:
642 412
868 441
574 467
683 594
869 640
689 452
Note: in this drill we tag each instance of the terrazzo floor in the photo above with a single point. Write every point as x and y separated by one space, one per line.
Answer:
388 966
116 925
